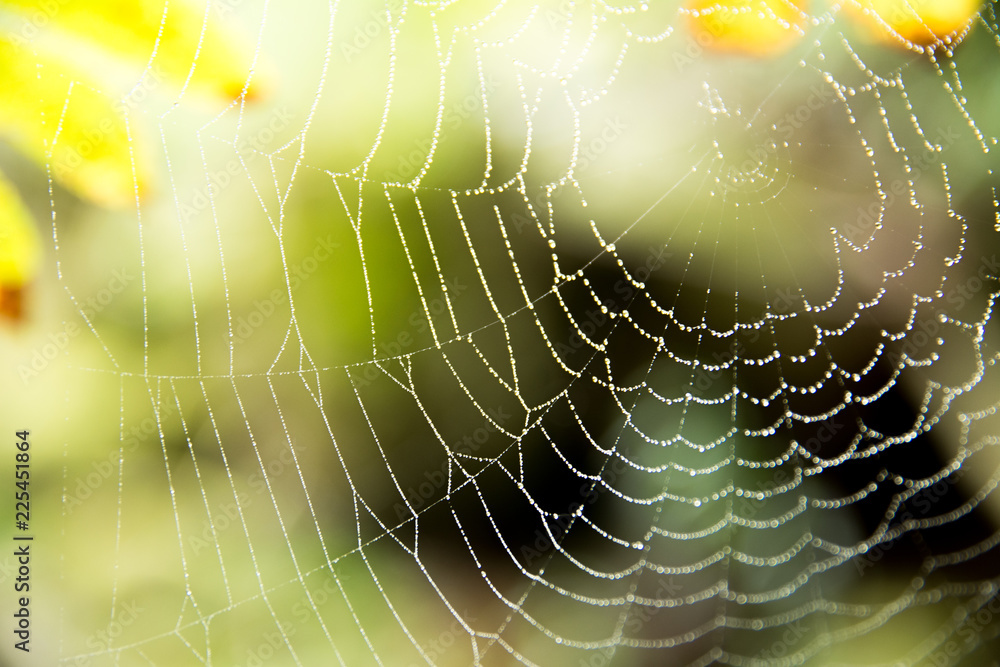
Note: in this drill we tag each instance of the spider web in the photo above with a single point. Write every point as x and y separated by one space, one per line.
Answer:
543 334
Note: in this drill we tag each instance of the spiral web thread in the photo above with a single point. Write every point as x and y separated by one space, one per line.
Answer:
639 355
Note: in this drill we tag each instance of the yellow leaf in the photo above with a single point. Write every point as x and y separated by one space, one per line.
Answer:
53 116
920 22
747 27
178 35
20 250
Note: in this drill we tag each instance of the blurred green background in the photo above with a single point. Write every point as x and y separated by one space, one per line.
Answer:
290 382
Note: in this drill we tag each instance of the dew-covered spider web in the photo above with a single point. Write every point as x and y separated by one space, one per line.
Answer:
545 334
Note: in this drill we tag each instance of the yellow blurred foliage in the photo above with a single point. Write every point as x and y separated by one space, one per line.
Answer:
920 22
20 249
181 38
749 27
59 116
55 116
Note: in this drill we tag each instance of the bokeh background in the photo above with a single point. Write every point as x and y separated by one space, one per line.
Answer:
518 333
